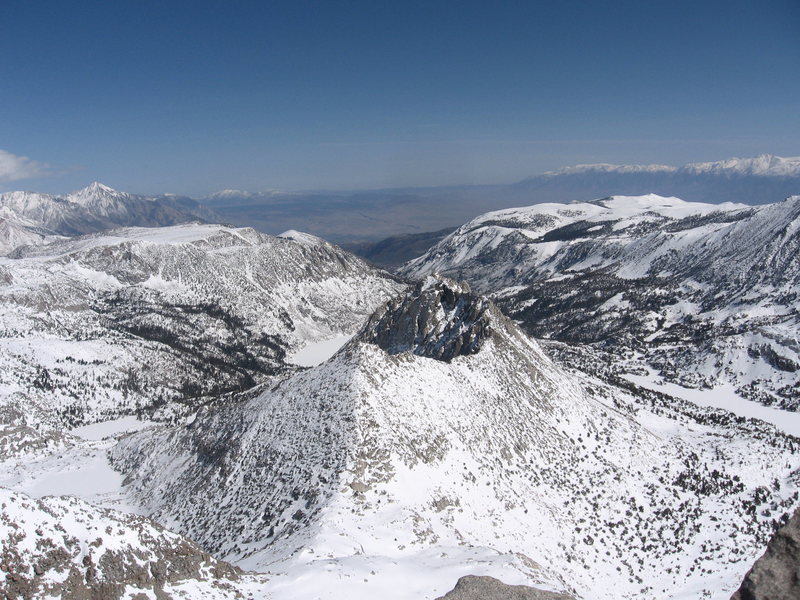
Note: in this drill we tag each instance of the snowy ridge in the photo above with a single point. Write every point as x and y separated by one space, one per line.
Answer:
702 293
138 319
16 231
376 456
98 207
301 237
67 548
764 165
609 168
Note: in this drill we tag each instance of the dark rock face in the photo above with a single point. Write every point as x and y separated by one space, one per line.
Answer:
473 587
441 319
776 575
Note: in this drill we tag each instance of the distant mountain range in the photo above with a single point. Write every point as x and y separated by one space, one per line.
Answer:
360 219
369 216
765 165
30 218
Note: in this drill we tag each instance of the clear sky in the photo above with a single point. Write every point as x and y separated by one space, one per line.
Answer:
192 97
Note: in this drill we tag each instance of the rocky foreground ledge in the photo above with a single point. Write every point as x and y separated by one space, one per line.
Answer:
776 575
473 587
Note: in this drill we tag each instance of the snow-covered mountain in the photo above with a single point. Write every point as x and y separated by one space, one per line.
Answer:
440 441
764 165
443 433
159 320
703 295
16 231
66 548
759 180
98 207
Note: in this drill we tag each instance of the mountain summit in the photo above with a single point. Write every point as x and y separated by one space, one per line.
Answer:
93 192
441 319
98 207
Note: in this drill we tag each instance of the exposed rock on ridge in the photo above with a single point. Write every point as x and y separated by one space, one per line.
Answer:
67 548
442 319
776 575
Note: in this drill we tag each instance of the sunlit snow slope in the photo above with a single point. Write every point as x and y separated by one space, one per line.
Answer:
156 321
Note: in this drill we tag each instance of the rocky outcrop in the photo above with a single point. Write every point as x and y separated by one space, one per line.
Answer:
64 547
776 575
441 319
473 587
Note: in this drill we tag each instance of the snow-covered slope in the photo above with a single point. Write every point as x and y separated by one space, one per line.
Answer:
442 432
66 548
704 294
138 319
16 231
98 207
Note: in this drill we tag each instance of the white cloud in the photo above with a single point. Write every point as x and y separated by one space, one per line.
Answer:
13 167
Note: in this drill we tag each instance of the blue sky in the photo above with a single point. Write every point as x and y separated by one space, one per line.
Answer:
192 97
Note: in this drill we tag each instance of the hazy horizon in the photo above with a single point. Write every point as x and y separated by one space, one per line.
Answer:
238 192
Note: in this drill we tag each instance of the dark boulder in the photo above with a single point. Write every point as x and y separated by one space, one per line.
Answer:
473 587
776 575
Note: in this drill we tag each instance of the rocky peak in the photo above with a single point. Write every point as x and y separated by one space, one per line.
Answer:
93 192
439 319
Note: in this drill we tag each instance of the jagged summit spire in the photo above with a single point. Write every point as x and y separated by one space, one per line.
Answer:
97 186
93 191
439 319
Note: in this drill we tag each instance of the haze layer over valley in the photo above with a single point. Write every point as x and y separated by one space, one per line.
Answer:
348 217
